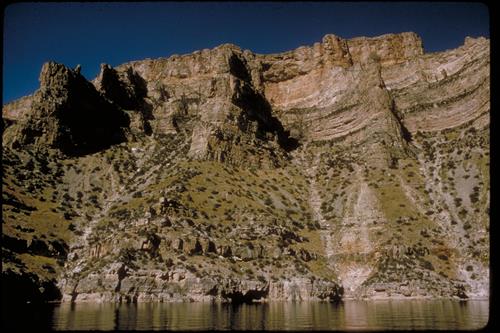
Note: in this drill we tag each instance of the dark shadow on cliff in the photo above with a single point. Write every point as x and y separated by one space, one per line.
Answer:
69 114
238 297
405 133
19 289
90 129
256 106
139 104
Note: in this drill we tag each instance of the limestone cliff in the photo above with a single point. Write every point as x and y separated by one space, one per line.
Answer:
350 168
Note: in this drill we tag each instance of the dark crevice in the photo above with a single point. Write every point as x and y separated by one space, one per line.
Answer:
238 68
404 131
257 108
128 95
238 297
122 273
406 134
82 120
147 116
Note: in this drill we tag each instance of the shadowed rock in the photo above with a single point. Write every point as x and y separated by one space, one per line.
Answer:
68 113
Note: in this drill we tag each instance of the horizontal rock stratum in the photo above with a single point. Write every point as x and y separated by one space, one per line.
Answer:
352 168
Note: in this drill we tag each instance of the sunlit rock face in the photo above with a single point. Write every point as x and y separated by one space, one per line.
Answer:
351 168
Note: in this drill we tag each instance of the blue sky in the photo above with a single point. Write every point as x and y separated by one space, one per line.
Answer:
93 33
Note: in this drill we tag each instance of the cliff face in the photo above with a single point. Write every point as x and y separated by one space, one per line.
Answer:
68 113
351 168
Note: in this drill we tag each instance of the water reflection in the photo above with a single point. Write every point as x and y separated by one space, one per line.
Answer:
348 315
26 317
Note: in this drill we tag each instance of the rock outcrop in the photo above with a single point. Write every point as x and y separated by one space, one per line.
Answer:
118 285
127 89
17 109
67 113
443 90
348 169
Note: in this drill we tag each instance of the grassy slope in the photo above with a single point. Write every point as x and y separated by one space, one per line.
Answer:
421 204
111 192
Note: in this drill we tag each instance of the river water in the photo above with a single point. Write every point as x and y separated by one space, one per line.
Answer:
346 315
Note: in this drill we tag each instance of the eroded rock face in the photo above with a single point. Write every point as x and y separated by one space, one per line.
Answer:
213 96
127 89
227 98
17 109
443 90
119 285
351 168
69 114
330 101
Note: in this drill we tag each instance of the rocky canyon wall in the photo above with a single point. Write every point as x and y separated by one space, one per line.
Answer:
351 168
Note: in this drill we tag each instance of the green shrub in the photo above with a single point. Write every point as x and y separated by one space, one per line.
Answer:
127 255
427 265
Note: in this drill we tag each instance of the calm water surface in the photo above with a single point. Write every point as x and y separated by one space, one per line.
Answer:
347 315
